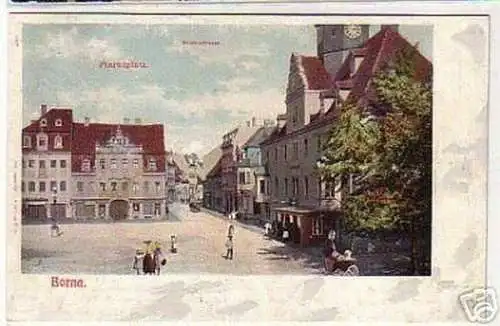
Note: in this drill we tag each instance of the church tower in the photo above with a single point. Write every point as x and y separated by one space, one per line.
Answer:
335 41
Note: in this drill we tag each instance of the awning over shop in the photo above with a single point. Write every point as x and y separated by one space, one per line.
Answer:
295 209
35 201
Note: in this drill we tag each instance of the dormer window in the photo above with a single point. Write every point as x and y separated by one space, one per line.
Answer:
26 142
41 142
86 165
58 142
43 123
58 123
152 164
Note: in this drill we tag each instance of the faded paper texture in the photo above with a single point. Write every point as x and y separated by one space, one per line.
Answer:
288 290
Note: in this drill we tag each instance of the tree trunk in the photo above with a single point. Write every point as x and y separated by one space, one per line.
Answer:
414 248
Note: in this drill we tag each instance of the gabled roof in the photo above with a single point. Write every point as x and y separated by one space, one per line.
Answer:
86 136
215 170
65 115
180 162
209 161
278 133
313 72
259 136
377 53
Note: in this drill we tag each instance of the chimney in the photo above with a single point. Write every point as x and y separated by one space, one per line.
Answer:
393 27
86 121
248 123
138 121
281 120
126 120
254 122
43 109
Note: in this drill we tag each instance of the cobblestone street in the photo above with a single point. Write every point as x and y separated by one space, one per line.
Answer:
109 248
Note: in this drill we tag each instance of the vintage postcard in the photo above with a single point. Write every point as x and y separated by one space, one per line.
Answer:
177 167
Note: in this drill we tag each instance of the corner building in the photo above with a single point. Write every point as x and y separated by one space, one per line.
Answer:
347 60
115 171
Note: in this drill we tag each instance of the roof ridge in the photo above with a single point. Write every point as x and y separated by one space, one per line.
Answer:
300 68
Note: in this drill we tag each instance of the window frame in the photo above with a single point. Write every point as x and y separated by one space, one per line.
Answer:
26 141
58 142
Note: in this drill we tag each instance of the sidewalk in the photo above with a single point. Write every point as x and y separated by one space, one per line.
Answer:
240 223
314 252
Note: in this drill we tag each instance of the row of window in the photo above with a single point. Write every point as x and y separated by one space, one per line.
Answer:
293 186
42 142
295 150
89 210
42 186
42 164
57 123
113 164
124 186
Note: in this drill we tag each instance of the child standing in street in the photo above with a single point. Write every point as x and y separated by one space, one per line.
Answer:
229 247
139 255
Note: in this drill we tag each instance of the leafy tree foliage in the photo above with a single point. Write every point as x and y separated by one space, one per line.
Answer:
388 149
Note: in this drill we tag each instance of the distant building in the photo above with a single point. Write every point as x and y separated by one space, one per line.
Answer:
92 170
231 147
253 184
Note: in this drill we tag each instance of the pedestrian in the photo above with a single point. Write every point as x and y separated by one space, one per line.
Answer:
267 228
230 231
158 258
330 256
139 256
54 228
331 235
286 235
229 247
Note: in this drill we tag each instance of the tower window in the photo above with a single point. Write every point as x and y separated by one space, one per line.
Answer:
43 123
58 123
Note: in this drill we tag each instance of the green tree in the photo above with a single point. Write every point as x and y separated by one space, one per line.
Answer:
391 157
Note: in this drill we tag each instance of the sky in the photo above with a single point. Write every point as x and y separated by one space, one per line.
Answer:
198 91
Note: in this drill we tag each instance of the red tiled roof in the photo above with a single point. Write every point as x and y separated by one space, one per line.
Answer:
377 53
85 137
216 170
64 130
316 75
65 115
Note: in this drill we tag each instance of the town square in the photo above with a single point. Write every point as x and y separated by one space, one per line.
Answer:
300 163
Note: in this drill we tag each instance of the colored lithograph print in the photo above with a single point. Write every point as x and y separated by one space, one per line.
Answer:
233 149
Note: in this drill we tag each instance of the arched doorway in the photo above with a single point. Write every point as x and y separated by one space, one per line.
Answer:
118 209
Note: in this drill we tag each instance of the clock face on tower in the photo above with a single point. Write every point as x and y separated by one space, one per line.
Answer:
352 31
